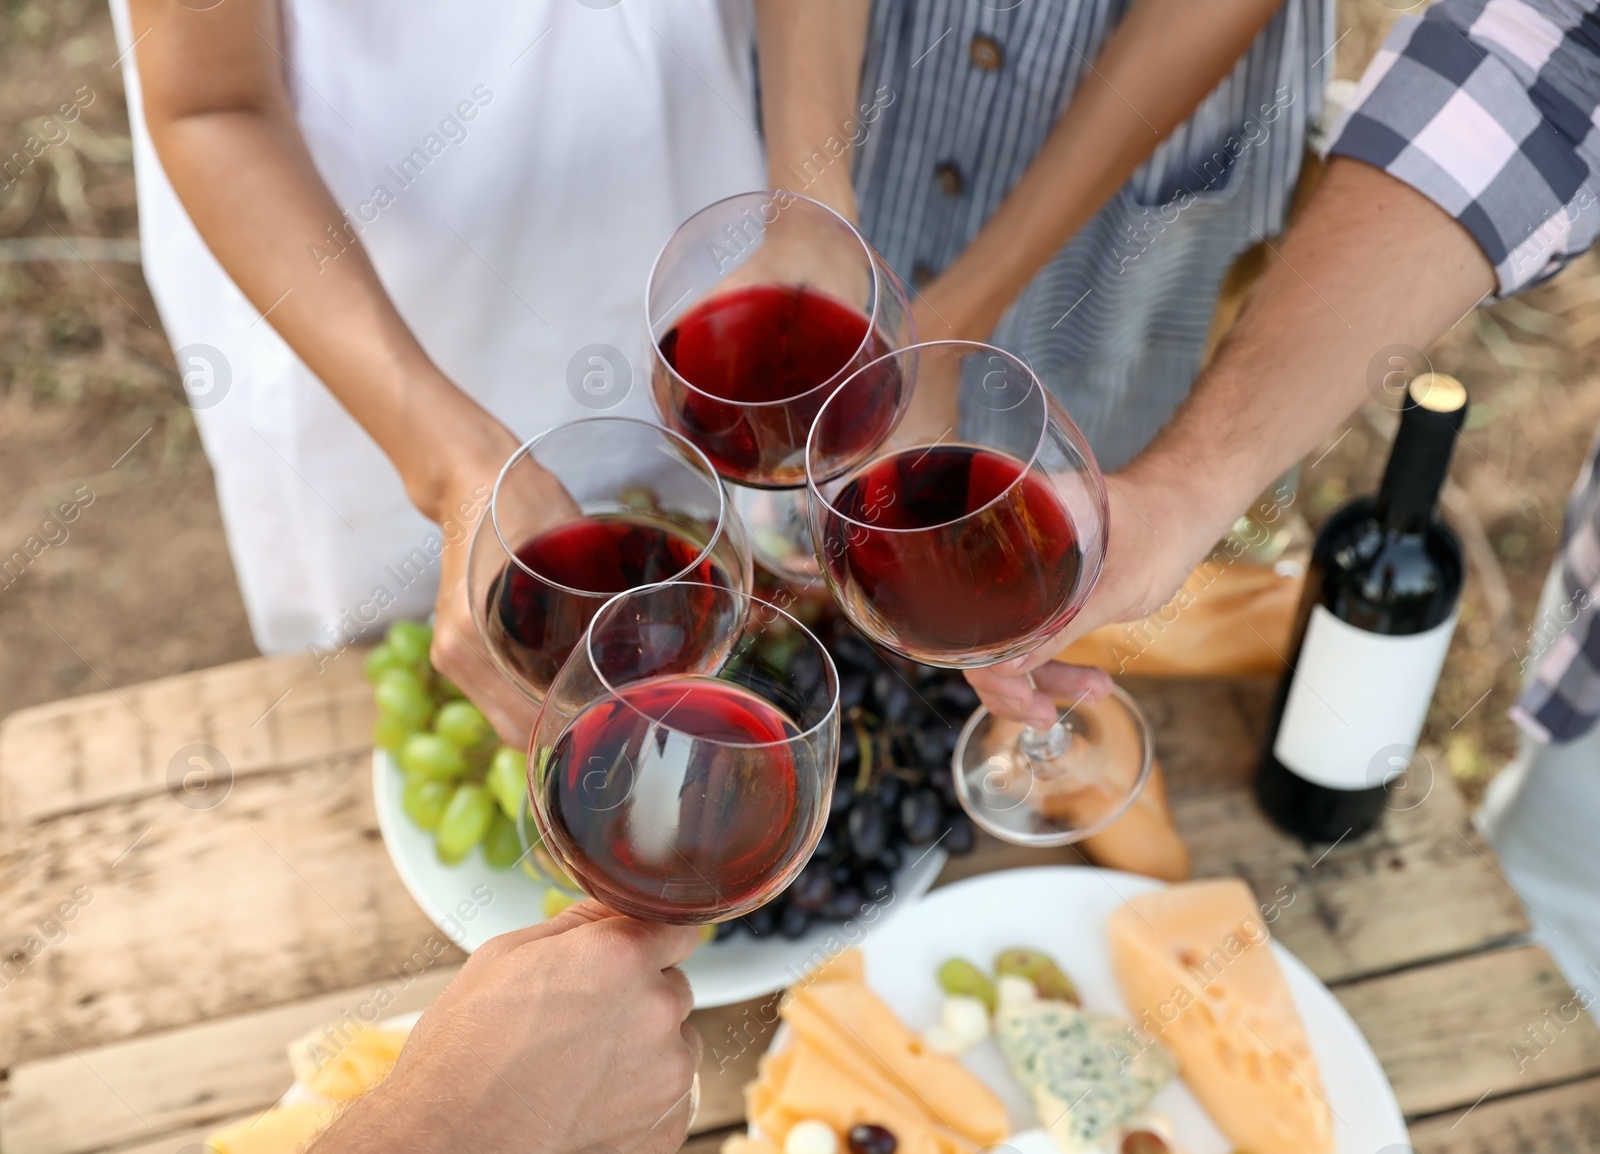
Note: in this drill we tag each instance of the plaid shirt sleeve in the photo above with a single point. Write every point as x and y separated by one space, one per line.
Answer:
1489 108
1562 700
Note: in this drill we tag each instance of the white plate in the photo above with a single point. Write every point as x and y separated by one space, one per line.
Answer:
471 903
1063 910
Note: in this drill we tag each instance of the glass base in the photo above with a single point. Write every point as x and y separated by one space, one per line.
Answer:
780 534
1056 786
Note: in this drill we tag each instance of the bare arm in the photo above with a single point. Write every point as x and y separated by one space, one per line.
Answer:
811 56
1158 66
1372 262
220 118
219 115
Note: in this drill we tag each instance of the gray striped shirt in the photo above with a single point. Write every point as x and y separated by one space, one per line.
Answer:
1116 323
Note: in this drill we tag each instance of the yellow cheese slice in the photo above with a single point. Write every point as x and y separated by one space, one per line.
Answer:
816 1087
770 1073
842 1018
848 966
870 1082
357 1066
740 1144
281 1130
1195 966
774 1121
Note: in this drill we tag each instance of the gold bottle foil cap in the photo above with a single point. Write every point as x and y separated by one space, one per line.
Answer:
1437 392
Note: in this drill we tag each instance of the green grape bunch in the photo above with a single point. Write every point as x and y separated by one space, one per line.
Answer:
462 784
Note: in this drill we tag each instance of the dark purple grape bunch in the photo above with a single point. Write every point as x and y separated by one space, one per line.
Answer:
894 799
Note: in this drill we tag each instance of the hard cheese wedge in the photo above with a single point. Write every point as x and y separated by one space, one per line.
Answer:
850 1025
1195 965
1077 1066
815 1087
281 1130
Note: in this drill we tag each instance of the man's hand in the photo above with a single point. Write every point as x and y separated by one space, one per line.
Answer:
1370 263
1156 537
568 1036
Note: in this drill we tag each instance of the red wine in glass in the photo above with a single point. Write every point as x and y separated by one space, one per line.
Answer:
534 622
953 548
679 798
756 360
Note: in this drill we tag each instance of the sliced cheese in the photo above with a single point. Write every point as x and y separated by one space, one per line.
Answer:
1075 1064
870 1083
281 1130
1195 966
358 1066
845 1018
816 1087
847 966
740 1144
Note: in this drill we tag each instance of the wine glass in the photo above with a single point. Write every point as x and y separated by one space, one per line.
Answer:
757 308
580 513
968 535
681 767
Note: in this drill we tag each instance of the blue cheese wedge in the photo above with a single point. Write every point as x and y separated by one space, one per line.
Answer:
1084 1079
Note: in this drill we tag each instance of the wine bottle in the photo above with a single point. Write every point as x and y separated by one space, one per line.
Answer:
1380 604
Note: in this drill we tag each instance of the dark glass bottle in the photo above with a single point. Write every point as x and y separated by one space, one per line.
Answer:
1370 638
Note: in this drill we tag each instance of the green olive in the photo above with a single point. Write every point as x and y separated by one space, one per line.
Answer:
1054 985
961 979
1048 979
1021 962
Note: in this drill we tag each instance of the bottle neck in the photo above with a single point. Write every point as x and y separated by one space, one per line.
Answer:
1418 465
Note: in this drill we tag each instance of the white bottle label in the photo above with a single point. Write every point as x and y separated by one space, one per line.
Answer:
1358 701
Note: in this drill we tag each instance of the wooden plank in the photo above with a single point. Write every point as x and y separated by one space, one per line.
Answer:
1444 1034
281 893
201 1076
190 1140
1564 1119
167 1090
1422 885
1490 1024
208 914
735 1037
266 713
709 1143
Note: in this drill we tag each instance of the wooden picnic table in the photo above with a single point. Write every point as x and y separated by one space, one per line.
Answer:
201 940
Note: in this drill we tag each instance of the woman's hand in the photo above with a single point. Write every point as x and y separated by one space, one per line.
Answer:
461 488
567 1036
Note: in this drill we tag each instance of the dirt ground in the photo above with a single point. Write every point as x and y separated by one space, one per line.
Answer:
139 584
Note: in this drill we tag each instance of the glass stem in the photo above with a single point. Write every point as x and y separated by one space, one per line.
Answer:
1045 745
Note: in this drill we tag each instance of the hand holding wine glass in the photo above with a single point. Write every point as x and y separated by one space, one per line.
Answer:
458 651
972 546
538 1032
582 512
1158 535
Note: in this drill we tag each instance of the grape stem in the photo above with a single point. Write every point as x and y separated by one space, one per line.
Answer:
864 743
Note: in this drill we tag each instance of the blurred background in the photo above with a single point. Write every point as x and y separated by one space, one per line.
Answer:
142 585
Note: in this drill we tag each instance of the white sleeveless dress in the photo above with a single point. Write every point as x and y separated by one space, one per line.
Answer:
512 167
